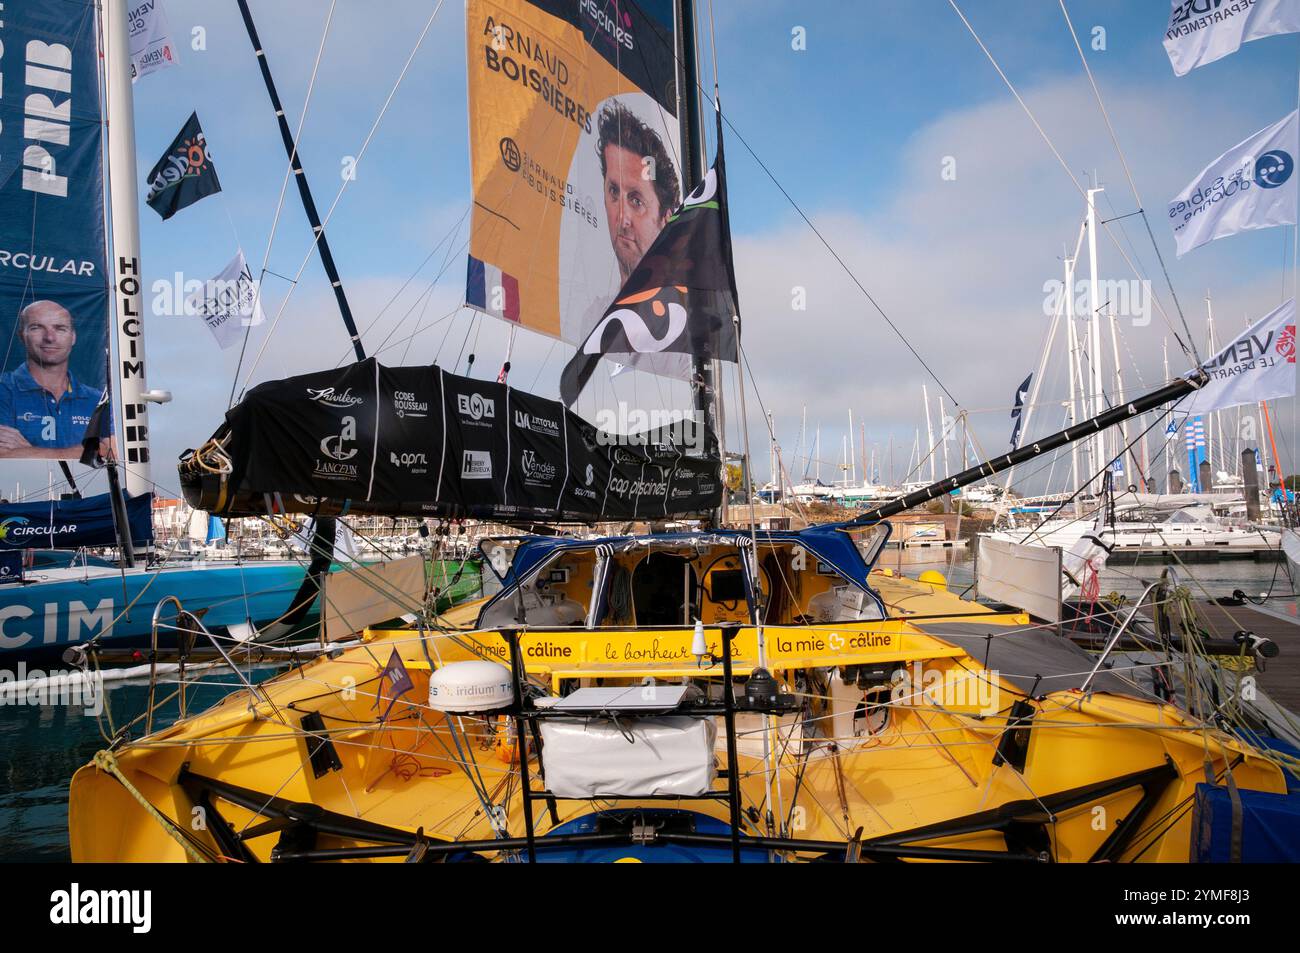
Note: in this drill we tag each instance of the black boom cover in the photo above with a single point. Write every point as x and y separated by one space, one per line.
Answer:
419 441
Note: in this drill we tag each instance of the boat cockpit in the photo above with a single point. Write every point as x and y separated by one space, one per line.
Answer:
812 576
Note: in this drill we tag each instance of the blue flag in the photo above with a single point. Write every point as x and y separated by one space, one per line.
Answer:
399 683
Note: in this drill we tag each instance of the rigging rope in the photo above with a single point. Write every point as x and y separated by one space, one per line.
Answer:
1064 165
1132 184
279 205
339 195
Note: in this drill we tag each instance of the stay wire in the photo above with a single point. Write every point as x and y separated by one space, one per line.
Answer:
1064 165
1132 184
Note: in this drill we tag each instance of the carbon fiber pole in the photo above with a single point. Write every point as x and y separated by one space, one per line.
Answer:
1086 428
304 191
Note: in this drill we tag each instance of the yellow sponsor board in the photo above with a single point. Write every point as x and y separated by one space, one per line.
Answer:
668 652
574 151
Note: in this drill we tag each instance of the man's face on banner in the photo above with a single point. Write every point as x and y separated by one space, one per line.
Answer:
48 334
631 207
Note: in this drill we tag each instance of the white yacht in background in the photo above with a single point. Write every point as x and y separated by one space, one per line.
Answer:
1188 525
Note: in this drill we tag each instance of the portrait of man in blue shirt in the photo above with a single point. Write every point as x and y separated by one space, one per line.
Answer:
44 409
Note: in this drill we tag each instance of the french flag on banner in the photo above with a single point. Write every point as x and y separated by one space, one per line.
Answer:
490 289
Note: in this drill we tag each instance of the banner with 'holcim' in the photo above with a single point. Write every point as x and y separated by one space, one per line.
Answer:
574 147
419 441
53 287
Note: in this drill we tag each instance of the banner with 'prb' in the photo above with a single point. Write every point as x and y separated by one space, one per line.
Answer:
53 287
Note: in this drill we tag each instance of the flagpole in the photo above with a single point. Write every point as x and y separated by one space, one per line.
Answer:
128 279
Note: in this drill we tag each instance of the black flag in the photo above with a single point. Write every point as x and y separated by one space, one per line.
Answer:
184 174
99 428
680 298
1022 393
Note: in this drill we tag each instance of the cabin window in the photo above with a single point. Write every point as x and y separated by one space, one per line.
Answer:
557 594
665 590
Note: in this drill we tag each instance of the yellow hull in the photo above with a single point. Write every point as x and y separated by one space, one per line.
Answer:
933 763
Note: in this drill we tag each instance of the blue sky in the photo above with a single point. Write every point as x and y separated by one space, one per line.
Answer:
856 127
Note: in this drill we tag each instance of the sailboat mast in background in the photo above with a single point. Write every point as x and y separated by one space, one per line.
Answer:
1100 459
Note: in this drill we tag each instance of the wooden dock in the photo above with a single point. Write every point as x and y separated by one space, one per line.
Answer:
1278 620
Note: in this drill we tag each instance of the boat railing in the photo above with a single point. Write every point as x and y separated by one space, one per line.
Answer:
191 627
1119 633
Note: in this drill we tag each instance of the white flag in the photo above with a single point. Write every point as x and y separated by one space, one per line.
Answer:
228 303
1249 186
1259 365
1202 31
148 38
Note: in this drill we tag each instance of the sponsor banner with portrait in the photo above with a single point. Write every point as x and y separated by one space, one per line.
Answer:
53 286
415 440
575 154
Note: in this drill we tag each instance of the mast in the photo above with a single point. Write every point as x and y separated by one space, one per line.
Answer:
819 453
1169 458
304 191
862 445
693 164
1214 421
128 296
929 430
852 460
1134 478
1094 329
943 433
1027 413
801 443
771 448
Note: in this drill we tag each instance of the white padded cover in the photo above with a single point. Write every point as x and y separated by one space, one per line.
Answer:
590 757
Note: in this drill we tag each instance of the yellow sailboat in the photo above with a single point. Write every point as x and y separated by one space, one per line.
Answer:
693 696
898 721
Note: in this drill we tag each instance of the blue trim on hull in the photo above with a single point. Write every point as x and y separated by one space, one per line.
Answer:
647 854
51 616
